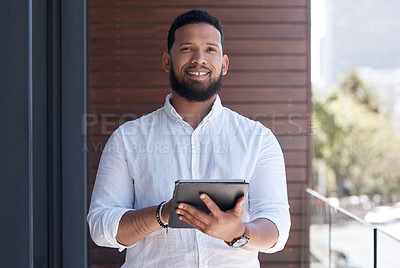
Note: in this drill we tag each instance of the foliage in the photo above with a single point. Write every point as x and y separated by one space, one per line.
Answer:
356 141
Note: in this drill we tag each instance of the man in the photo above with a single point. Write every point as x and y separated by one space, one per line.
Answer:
192 137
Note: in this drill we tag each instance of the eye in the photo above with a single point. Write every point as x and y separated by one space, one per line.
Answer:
186 49
211 49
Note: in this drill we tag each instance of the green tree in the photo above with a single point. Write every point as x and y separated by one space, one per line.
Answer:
355 140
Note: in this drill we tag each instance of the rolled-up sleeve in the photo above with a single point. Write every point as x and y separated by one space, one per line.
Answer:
268 190
112 194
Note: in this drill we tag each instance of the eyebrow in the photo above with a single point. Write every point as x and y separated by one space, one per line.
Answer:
189 43
213 44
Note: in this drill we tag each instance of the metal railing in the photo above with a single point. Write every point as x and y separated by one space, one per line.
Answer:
340 239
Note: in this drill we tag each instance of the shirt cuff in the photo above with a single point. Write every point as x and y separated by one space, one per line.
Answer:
283 231
115 224
280 217
104 226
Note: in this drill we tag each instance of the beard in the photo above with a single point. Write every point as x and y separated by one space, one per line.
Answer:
194 91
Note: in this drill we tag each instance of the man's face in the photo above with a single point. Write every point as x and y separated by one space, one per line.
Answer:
196 63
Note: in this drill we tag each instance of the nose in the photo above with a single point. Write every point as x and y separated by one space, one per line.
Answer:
198 57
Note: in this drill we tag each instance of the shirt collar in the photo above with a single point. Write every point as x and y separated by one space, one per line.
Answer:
173 114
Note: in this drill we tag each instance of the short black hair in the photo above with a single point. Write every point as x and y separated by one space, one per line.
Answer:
193 16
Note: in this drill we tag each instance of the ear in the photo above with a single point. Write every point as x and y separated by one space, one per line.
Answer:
166 62
225 65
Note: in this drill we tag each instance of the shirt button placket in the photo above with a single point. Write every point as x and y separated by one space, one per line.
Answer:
203 249
195 156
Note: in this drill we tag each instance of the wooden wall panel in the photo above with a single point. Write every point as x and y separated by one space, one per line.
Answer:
237 63
204 4
229 94
142 79
115 47
268 44
140 15
234 31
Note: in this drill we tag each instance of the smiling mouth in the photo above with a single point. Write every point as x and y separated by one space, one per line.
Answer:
197 73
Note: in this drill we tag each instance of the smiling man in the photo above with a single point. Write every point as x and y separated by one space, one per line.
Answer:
195 62
128 208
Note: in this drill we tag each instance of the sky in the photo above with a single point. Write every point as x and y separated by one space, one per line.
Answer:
317 32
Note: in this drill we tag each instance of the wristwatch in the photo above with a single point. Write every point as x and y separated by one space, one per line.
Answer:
239 242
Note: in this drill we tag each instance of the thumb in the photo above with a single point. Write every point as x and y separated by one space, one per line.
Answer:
238 209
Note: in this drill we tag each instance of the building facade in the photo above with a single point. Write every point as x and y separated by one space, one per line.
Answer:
359 35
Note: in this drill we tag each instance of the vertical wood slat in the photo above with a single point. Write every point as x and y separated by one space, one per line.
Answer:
268 42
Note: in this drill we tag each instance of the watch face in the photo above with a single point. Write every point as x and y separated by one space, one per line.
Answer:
240 242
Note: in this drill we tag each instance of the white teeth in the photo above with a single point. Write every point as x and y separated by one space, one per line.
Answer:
197 73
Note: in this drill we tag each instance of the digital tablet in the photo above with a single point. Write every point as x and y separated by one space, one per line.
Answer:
224 193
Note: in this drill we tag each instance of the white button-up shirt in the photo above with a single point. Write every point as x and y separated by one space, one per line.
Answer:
143 159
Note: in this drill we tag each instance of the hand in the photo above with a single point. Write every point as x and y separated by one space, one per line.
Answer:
219 224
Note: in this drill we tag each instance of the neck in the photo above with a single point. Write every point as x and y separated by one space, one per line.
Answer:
192 112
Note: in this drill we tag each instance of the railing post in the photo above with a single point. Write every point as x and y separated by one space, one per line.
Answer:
330 234
375 247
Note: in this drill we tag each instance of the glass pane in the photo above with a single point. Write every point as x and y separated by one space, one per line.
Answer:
388 250
352 242
319 233
339 239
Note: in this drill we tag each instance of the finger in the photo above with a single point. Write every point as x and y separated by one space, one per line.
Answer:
239 206
214 209
196 223
192 215
187 209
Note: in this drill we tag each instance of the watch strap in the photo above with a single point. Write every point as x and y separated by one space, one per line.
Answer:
243 237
